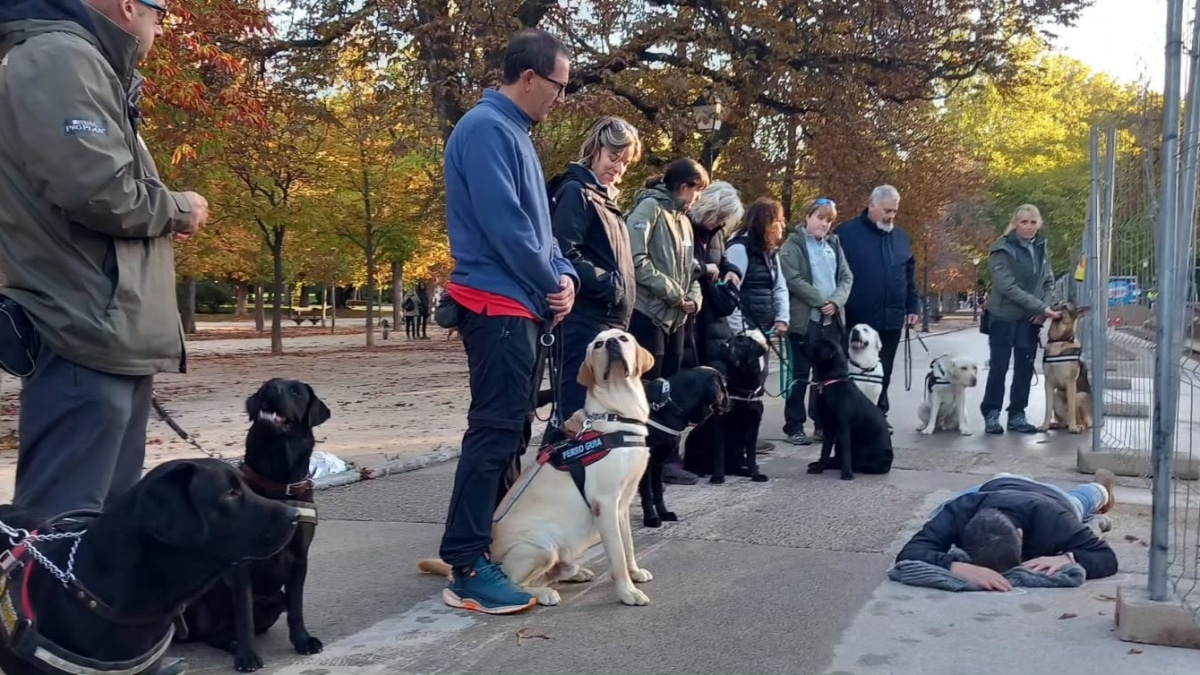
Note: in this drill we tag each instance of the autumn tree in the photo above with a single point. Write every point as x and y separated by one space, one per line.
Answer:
276 171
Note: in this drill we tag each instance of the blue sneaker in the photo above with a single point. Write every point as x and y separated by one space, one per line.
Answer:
485 588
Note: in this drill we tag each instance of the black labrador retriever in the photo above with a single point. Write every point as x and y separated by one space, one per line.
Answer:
104 595
687 399
849 420
727 443
250 598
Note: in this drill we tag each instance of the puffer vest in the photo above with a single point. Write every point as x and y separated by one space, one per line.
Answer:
757 294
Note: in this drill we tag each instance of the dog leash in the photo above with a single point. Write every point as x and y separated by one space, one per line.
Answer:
166 417
550 344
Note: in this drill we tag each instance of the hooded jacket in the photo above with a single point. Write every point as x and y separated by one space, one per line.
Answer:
660 235
1022 280
85 223
591 233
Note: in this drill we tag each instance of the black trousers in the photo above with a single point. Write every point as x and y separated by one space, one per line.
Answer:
1016 340
668 352
795 411
502 356
423 324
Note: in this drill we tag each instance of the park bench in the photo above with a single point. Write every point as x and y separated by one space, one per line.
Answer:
313 315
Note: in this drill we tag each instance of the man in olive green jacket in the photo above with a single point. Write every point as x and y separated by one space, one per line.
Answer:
86 245
809 323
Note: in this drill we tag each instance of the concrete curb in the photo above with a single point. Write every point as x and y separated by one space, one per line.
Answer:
388 468
424 461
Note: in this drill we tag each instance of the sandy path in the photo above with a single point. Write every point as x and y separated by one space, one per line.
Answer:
401 400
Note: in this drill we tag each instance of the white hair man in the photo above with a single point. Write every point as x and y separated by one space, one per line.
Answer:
884 294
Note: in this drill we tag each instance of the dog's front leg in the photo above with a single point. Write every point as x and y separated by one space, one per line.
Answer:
293 590
245 659
636 573
646 495
822 462
843 448
718 430
1048 386
656 490
935 411
752 445
960 399
1072 402
608 517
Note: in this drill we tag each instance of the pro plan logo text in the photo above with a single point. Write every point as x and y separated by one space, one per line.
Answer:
81 127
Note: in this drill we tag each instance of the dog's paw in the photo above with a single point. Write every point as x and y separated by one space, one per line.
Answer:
927 430
632 596
308 645
581 576
717 480
651 521
759 478
545 596
641 576
668 516
964 432
816 467
247 662
847 476
1076 429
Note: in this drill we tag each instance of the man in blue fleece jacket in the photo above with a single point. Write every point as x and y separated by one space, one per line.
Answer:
510 279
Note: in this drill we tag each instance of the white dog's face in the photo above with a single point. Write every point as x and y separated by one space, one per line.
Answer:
863 338
962 371
614 355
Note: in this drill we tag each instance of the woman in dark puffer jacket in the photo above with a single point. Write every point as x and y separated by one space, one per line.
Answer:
592 234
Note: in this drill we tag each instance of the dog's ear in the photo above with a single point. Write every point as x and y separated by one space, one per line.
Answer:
164 508
645 360
318 412
586 377
1081 312
254 405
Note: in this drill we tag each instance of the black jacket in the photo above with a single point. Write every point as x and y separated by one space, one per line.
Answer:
591 232
1049 527
709 328
885 278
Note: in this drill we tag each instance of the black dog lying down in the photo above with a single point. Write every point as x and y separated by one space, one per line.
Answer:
250 598
152 551
687 399
728 443
850 421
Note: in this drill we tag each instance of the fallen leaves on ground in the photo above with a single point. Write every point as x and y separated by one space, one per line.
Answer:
522 635
1067 615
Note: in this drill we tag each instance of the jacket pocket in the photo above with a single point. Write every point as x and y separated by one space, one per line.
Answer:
112 271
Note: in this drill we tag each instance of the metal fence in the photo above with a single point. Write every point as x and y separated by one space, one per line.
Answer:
1142 337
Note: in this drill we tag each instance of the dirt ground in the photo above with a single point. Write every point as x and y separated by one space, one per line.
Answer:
401 399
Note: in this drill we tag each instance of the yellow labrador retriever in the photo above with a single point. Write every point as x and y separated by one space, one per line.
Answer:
550 517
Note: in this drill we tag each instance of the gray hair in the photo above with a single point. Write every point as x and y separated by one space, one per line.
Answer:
884 192
719 202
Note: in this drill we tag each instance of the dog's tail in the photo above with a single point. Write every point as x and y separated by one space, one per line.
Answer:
435 566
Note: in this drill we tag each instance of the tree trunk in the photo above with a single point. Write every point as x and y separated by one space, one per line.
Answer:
397 293
323 289
187 305
239 305
370 288
277 307
333 310
259 313
789 171
304 291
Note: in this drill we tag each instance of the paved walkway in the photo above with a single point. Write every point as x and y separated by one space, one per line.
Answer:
780 577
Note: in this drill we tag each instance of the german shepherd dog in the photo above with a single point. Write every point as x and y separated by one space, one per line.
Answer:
1068 391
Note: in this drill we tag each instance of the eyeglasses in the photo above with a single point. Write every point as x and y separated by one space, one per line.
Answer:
562 86
162 11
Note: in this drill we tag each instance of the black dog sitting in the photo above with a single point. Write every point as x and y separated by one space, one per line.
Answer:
109 602
279 446
687 399
851 423
727 444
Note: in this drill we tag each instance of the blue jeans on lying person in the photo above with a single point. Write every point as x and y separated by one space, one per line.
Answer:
1085 500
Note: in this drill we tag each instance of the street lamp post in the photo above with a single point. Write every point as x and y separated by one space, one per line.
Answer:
707 112
925 305
978 283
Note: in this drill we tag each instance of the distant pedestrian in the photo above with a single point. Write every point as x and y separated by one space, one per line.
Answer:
423 309
884 295
511 282
410 316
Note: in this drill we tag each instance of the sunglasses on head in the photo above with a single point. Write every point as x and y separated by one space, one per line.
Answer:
824 201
